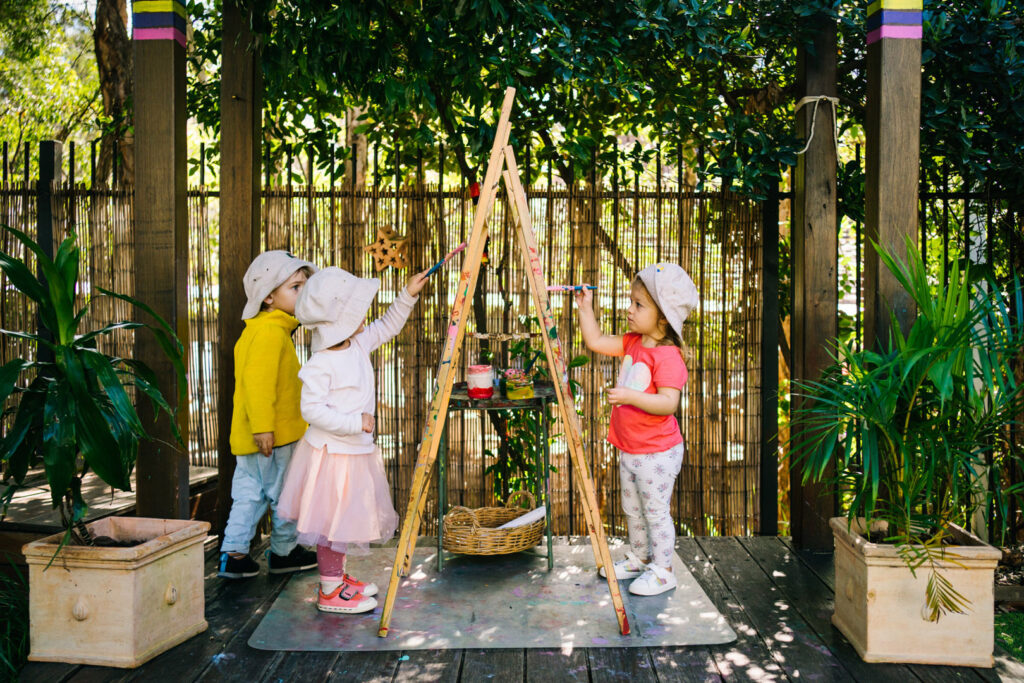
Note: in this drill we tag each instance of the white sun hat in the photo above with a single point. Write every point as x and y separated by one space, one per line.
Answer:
267 272
333 304
672 290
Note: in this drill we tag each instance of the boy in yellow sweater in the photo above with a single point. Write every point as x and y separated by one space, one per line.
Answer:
266 421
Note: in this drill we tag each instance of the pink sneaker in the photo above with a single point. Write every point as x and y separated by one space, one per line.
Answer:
367 589
344 599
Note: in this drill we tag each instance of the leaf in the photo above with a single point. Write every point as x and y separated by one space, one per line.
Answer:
579 360
9 374
145 381
23 439
123 325
110 384
66 262
59 444
168 341
96 438
58 304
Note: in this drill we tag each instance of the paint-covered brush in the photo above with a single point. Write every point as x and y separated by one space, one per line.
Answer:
437 266
569 288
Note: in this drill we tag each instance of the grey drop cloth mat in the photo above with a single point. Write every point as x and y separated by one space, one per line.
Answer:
503 601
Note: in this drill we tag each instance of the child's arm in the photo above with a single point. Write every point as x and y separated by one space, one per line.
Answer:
388 325
319 413
665 402
608 344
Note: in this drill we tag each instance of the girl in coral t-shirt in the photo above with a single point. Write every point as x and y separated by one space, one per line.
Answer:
643 425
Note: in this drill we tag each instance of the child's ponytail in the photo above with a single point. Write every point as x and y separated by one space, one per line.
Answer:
672 338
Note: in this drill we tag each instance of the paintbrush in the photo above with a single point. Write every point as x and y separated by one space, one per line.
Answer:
529 366
437 266
569 288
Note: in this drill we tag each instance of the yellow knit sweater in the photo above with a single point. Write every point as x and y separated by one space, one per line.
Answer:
267 386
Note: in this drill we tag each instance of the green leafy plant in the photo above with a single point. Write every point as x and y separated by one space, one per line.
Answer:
14 628
521 431
74 412
914 433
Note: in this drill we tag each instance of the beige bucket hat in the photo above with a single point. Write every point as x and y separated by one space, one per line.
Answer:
672 290
333 304
267 272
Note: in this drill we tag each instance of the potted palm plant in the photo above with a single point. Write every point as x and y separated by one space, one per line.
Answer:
119 590
915 438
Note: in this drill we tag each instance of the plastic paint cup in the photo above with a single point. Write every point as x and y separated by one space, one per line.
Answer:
480 381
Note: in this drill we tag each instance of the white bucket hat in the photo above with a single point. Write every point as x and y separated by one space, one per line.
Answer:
333 304
673 292
267 272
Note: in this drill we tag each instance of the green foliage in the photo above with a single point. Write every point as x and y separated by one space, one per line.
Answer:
972 108
23 27
585 73
1009 629
515 465
14 626
49 89
75 414
914 432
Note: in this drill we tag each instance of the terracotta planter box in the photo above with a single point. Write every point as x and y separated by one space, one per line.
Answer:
880 606
117 606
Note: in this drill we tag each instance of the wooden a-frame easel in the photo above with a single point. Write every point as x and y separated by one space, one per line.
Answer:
502 162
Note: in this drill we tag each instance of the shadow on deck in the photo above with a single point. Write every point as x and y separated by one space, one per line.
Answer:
779 602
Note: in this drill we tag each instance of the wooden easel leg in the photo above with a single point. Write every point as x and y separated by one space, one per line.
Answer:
560 380
451 355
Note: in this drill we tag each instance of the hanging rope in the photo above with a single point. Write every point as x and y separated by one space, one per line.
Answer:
816 99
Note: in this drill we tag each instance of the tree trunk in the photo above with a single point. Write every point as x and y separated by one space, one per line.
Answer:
359 142
116 72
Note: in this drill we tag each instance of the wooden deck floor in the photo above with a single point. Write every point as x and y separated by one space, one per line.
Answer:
31 506
778 601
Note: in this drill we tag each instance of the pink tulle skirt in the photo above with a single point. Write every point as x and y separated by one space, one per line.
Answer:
339 501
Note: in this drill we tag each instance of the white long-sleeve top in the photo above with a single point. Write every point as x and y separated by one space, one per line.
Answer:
338 385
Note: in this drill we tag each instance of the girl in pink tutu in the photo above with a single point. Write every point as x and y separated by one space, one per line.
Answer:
335 489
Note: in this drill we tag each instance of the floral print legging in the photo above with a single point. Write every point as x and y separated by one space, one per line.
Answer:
646 480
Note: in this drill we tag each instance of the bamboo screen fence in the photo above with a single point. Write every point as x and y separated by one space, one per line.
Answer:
601 237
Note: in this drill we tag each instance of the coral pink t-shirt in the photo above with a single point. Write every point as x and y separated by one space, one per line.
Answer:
644 369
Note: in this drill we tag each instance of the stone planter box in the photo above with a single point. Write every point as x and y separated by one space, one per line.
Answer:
117 606
880 606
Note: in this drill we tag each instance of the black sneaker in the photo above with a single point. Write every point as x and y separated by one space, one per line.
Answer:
299 559
237 567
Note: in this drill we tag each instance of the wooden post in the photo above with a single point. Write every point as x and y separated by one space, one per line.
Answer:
768 508
815 260
241 103
50 154
161 240
892 129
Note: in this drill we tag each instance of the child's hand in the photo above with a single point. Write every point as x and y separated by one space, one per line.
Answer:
368 423
416 283
584 297
265 442
620 396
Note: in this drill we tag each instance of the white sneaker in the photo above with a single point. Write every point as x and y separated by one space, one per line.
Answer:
653 581
629 567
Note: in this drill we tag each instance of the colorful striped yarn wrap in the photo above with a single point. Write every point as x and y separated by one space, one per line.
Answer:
159 20
899 19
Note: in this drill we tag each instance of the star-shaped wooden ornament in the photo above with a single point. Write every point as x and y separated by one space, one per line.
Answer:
388 250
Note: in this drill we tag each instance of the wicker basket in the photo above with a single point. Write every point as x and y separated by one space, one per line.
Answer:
473 532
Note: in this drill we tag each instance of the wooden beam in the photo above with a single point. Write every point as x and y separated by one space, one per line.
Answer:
892 158
161 254
50 157
768 484
815 260
241 104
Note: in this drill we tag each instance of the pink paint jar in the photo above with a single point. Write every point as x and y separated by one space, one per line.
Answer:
480 381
